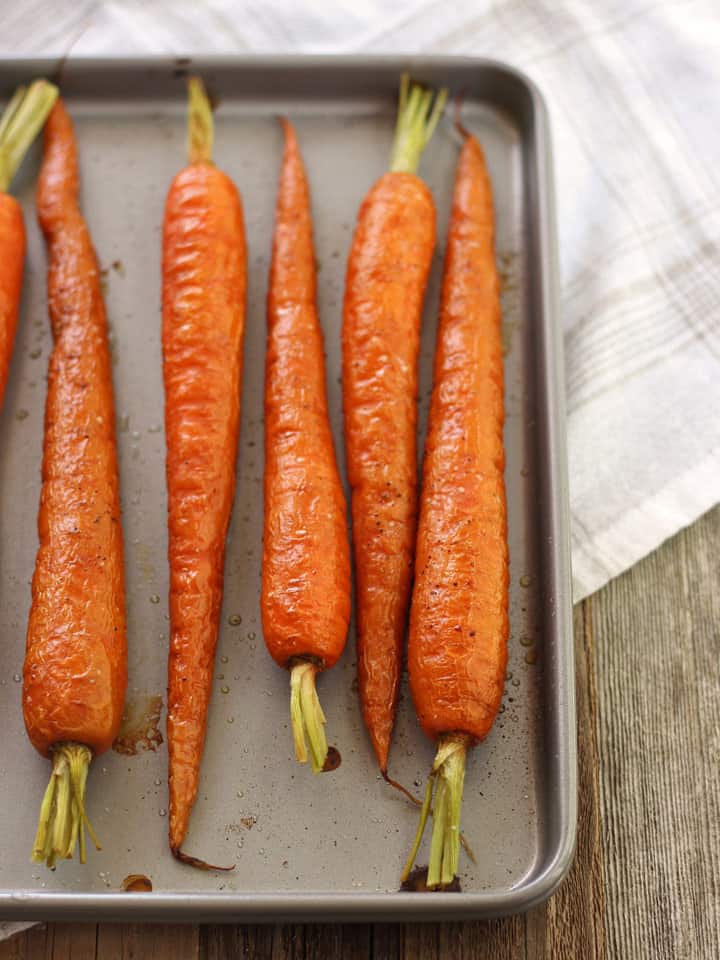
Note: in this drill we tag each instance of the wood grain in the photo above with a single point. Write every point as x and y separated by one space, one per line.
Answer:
646 880
659 677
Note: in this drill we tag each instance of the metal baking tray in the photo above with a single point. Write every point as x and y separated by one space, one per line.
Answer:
329 847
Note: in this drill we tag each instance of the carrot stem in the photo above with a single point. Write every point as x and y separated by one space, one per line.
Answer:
200 123
416 122
446 783
62 815
306 716
424 813
20 123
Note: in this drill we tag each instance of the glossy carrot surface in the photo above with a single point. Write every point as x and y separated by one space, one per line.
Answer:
76 662
387 273
204 280
75 670
457 650
306 554
12 258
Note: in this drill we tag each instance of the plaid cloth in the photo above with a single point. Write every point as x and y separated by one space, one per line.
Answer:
632 88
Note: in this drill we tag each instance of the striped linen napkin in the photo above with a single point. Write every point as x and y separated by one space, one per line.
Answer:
631 88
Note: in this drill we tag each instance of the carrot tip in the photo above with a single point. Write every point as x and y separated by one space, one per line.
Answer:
401 788
446 783
197 862
63 820
459 125
306 716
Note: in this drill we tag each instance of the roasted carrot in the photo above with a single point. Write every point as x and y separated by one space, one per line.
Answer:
204 278
457 650
387 273
306 555
19 125
75 670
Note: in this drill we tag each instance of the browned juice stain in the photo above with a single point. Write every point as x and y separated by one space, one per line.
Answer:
137 883
332 761
140 726
417 883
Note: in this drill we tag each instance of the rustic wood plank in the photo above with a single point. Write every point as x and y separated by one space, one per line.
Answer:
73 941
384 941
147 941
658 645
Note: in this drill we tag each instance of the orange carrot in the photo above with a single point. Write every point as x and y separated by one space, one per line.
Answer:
306 555
75 670
19 125
457 652
204 278
386 277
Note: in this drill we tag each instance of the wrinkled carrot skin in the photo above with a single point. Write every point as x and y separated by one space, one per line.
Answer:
204 280
12 258
457 649
75 671
387 274
306 554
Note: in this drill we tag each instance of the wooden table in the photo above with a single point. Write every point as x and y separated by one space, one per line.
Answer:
646 879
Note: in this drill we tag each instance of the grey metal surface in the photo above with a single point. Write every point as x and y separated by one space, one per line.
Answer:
306 847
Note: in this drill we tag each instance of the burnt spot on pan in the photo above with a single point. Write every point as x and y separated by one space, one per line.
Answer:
332 761
417 883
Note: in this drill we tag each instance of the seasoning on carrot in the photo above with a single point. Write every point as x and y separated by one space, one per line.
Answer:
386 277
204 280
75 670
457 652
306 555
20 123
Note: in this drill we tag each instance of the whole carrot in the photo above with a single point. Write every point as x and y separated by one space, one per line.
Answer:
20 123
457 652
204 277
387 273
306 556
75 670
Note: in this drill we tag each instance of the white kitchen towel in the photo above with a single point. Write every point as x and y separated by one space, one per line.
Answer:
632 90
